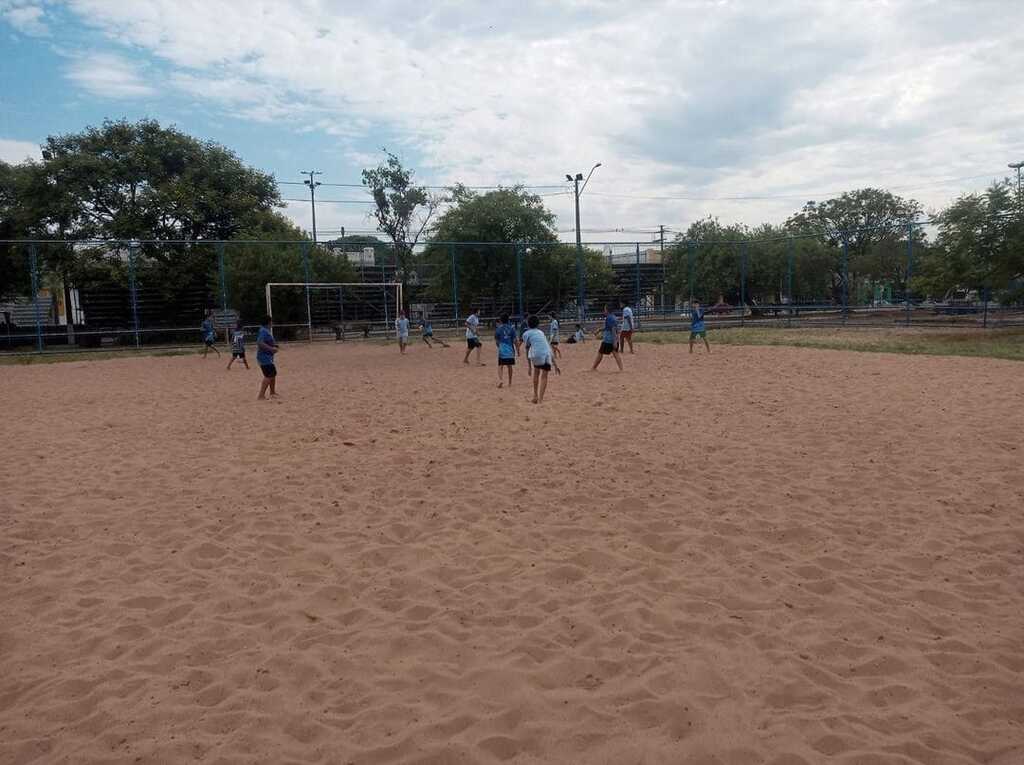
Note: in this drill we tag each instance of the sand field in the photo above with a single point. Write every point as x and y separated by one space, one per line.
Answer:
765 556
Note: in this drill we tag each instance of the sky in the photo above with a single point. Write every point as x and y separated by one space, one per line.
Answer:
740 110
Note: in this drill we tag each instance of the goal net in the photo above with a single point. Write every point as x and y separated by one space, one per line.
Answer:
334 310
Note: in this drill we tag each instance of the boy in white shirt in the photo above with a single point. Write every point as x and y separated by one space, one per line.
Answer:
553 330
473 338
538 351
402 330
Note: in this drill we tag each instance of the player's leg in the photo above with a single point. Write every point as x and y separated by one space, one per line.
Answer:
232 361
692 337
705 338
536 382
543 385
245 361
630 341
618 359
500 373
264 384
597 361
469 350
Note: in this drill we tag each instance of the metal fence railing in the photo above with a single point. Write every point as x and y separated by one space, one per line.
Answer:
58 295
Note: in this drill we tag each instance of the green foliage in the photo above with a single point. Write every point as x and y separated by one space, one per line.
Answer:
489 225
980 245
249 266
403 210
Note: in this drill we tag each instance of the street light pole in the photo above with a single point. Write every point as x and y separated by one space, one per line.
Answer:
312 195
580 288
1020 200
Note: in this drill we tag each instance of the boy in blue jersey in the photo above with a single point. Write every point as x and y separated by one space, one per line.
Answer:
428 332
209 334
238 345
402 330
553 334
266 351
697 326
508 347
538 351
609 340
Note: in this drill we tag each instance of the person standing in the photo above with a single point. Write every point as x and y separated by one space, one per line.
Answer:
209 334
402 329
697 328
538 350
553 332
266 353
473 338
508 348
238 345
609 339
628 325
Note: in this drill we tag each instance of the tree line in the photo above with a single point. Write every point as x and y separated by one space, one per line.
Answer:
126 181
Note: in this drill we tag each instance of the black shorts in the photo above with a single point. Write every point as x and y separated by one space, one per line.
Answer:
269 370
472 342
607 348
209 343
428 334
238 355
554 342
542 367
506 362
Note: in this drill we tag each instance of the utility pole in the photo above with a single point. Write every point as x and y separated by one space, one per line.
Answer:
661 237
580 293
1020 200
312 195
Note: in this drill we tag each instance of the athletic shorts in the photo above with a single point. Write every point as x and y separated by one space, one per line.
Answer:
269 370
209 343
626 333
506 362
428 334
472 342
554 342
403 339
698 333
607 348
543 367
238 355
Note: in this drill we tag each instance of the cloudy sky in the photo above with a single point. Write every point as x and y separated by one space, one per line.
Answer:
742 110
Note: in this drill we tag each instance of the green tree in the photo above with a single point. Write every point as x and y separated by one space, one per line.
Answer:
250 265
873 222
483 234
980 245
706 258
403 210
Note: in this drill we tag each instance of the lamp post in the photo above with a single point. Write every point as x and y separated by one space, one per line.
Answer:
1020 200
312 195
580 294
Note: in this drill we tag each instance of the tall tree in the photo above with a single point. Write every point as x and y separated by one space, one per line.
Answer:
873 222
403 210
980 245
483 234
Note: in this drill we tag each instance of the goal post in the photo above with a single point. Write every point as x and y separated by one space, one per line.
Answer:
334 304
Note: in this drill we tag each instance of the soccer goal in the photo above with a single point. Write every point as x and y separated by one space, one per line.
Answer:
334 310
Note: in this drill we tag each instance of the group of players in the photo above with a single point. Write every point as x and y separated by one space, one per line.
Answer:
542 350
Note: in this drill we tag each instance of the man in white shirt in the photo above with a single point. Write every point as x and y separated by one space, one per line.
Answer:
553 332
628 325
473 338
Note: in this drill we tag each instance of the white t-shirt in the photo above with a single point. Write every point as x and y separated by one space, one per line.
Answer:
627 319
402 326
553 331
538 350
471 326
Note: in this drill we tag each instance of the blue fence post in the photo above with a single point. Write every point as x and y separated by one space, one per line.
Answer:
743 283
519 278
691 264
636 303
133 291
223 277
910 268
790 257
455 280
844 277
33 264
304 248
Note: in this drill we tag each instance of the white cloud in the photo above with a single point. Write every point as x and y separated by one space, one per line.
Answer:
683 98
108 76
13 152
26 17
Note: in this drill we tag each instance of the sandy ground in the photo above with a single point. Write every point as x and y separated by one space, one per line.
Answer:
766 555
